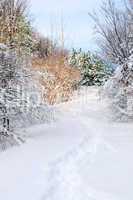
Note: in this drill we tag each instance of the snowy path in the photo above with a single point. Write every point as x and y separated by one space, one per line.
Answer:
82 156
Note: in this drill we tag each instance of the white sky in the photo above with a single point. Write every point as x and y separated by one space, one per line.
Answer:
78 26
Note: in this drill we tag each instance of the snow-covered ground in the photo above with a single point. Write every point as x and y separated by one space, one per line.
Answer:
81 156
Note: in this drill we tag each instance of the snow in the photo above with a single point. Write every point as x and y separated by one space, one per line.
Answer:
80 156
3 46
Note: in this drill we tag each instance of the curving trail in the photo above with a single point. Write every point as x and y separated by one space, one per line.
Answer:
81 156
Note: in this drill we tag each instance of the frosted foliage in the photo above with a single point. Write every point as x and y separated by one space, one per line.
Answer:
21 103
119 89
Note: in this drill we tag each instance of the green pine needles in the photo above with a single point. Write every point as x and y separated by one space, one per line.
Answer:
94 71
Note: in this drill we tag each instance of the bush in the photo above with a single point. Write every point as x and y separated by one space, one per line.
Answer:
57 77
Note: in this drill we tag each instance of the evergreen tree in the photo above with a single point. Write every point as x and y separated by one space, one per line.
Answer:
8 92
94 71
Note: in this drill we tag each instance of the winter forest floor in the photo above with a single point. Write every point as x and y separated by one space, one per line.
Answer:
83 155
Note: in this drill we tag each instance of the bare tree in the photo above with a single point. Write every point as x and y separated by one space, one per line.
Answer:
115 31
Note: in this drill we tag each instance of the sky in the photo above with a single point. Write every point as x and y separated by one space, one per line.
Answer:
49 15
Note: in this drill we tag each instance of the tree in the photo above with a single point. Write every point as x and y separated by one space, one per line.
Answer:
8 92
119 88
115 31
15 28
94 71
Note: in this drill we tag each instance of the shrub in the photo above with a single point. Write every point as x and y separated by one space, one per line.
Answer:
57 77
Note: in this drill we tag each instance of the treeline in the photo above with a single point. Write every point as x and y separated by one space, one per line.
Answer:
21 99
34 72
